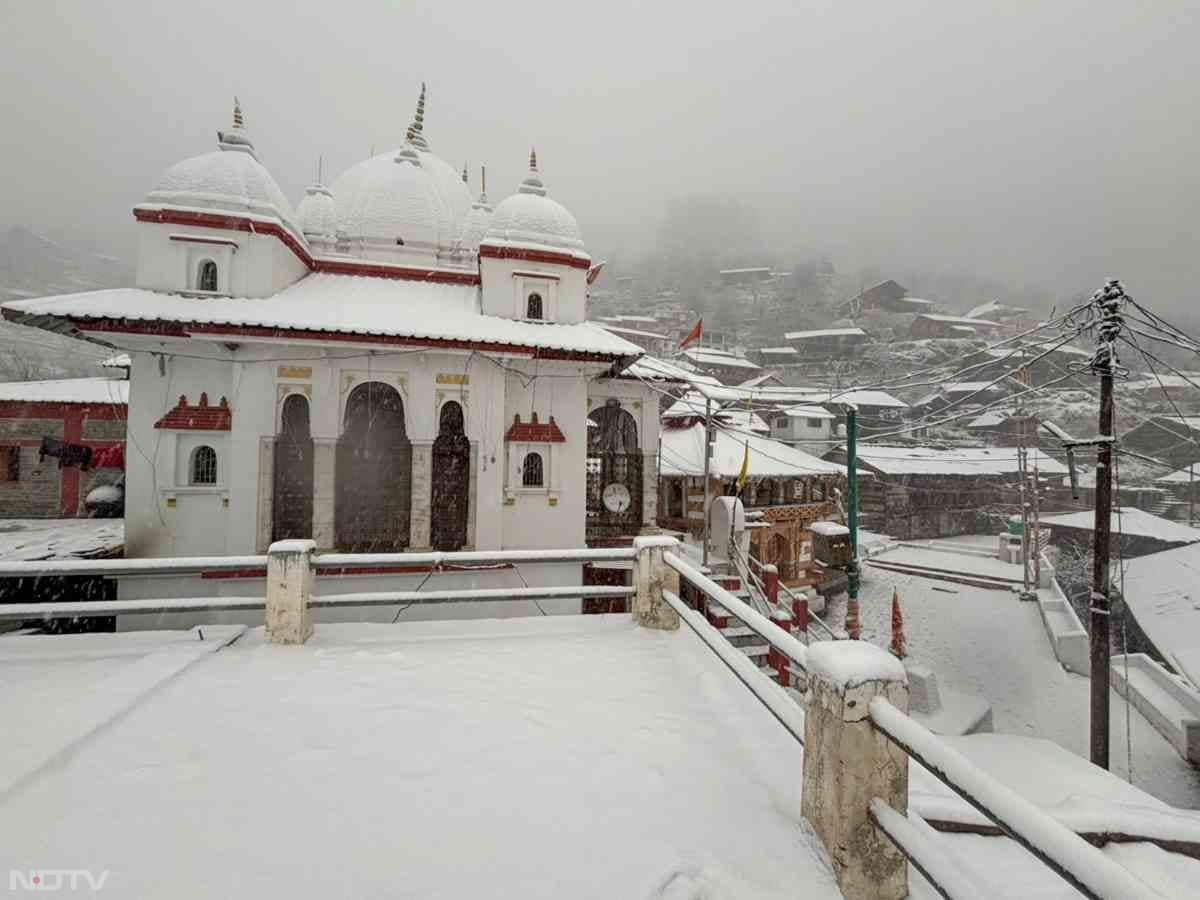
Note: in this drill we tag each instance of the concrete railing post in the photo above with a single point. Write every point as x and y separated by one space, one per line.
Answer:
290 576
654 576
847 763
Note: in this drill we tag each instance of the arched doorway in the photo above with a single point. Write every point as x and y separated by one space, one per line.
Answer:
451 481
292 497
374 473
614 472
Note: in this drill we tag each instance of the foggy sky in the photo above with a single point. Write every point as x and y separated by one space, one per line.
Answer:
1048 143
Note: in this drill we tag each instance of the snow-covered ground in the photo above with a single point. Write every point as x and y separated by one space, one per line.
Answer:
549 757
543 757
989 643
34 539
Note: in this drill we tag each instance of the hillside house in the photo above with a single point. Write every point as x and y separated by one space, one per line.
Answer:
811 428
726 366
932 325
923 492
1173 439
826 343
1004 428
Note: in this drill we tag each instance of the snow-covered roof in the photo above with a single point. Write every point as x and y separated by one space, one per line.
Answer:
693 404
824 332
501 783
654 369
789 396
956 320
1153 383
959 461
683 454
706 357
346 304
318 213
1163 592
620 329
30 540
67 390
970 387
1182 476
779 350
990 419
808 412
120 361
1130 521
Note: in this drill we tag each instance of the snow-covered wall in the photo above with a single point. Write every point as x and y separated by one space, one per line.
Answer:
248 264
507 284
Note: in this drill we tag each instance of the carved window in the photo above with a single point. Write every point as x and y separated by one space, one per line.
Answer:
204 465
532 474
533 306
206 276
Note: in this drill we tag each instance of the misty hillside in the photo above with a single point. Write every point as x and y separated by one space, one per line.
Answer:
34 265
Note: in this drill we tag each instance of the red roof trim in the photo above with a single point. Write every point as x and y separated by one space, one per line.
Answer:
534 432
337 267
198 418
184 330
494 251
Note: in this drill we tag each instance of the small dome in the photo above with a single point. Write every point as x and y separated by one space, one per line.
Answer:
530 217
318 213
478 220
391 197
229 179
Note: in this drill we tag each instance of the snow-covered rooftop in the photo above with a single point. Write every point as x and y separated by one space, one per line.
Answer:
1182 476
693 404
654 369
958 461
956 320
683 454
1130 521
347 304
824 332
428 759
707 357
808 412
778 351
1163 592
67 390
28 540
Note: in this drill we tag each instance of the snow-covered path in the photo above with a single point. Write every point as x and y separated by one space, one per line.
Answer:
987 642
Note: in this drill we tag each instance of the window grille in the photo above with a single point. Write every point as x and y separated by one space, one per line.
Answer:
204 465
531 471
533 308
206 280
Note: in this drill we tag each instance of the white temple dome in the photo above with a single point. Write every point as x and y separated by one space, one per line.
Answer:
530 217
353 187
229 179
318 213
478 219
389 200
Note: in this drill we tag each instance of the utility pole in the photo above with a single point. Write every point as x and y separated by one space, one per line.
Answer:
1108 301
708 449
853 626
1037 525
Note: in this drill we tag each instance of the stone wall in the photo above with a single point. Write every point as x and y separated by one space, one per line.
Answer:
35 495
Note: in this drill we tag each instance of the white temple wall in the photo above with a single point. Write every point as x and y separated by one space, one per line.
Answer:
248 265
506 284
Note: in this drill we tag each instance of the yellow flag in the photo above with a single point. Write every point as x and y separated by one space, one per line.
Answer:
745 473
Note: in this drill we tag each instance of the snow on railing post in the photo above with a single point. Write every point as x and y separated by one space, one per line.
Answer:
290 576
776 658
800 613
771 584
654 576
847 763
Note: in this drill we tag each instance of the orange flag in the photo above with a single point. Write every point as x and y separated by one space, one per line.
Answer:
694 334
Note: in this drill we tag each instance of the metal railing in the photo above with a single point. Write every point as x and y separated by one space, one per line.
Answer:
1063 851
435 563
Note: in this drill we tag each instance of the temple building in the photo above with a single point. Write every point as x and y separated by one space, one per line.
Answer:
392 365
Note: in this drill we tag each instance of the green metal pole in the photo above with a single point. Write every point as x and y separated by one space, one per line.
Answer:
853 627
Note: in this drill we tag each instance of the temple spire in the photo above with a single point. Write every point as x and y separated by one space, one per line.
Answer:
415 133
237 113
464 174
533 181
236 138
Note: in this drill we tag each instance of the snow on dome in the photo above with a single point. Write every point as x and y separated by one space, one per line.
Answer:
452 195
390 198
229 179
530 217
318 213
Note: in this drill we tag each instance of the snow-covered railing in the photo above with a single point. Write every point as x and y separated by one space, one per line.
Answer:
312 565
1067 854
751 618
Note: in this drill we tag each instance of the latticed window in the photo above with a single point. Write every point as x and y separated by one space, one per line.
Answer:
533 308
531 472
204 465
206 278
